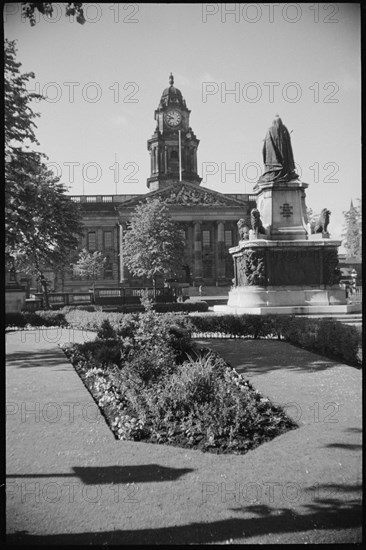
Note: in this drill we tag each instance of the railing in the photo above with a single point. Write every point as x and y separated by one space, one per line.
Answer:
86 297
65 298
104 296
355 294
101 198
120 296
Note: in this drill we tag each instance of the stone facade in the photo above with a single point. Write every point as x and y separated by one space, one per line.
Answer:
208 218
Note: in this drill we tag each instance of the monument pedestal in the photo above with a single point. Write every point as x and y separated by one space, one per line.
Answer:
281 205
287 271
293 276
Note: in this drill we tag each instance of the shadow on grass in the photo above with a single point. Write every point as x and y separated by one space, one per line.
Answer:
331 514
94 475
37 358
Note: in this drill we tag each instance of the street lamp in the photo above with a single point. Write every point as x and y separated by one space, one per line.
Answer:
354 280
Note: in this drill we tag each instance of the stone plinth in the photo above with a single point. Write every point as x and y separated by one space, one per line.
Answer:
283 276
282 209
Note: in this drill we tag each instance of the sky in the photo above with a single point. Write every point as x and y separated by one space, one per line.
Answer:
237 66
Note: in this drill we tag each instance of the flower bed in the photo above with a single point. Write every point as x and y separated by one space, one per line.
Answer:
152 384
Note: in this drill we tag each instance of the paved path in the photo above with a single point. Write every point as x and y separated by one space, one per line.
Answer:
70 482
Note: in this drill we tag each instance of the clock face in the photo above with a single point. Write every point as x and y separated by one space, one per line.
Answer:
173 118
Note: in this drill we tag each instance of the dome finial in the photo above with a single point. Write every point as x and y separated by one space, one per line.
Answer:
171 79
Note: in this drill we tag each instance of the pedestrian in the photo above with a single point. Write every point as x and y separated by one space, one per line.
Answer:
200 290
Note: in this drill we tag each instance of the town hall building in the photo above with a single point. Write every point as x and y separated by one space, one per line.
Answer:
207 219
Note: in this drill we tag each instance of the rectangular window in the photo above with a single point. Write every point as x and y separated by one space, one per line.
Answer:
107 239
206 238
229 238
92 241
108 269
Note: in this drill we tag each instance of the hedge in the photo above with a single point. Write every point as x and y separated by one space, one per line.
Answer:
324 336
48 318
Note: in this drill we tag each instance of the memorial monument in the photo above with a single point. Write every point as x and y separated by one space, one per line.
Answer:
279 266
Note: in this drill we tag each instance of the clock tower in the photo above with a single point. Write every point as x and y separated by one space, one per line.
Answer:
173 146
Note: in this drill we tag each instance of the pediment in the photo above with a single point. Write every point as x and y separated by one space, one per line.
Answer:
187 194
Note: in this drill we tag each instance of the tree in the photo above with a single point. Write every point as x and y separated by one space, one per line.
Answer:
153 245
46 8
41 222
47 224
352 231
19 117
90 265
19 135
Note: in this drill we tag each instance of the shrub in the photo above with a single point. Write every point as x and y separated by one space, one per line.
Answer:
125 325
85 320
181 307
89 307
15 320
151 364
325 336
338 340
99 353
49 318
40 318
106 331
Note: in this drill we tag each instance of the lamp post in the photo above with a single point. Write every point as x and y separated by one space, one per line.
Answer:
354 280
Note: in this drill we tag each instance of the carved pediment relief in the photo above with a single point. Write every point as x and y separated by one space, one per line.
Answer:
187 194
190 197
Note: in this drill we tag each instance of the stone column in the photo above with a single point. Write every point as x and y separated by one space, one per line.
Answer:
197 243
159 159
123 272
165 160
154 159
220 252
195 160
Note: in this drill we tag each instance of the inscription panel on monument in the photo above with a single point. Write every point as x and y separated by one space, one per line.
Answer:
286 210
294 267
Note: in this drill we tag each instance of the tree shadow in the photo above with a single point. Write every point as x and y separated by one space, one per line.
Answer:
144 473
90 475
38 358
354 429
348 446
324 514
